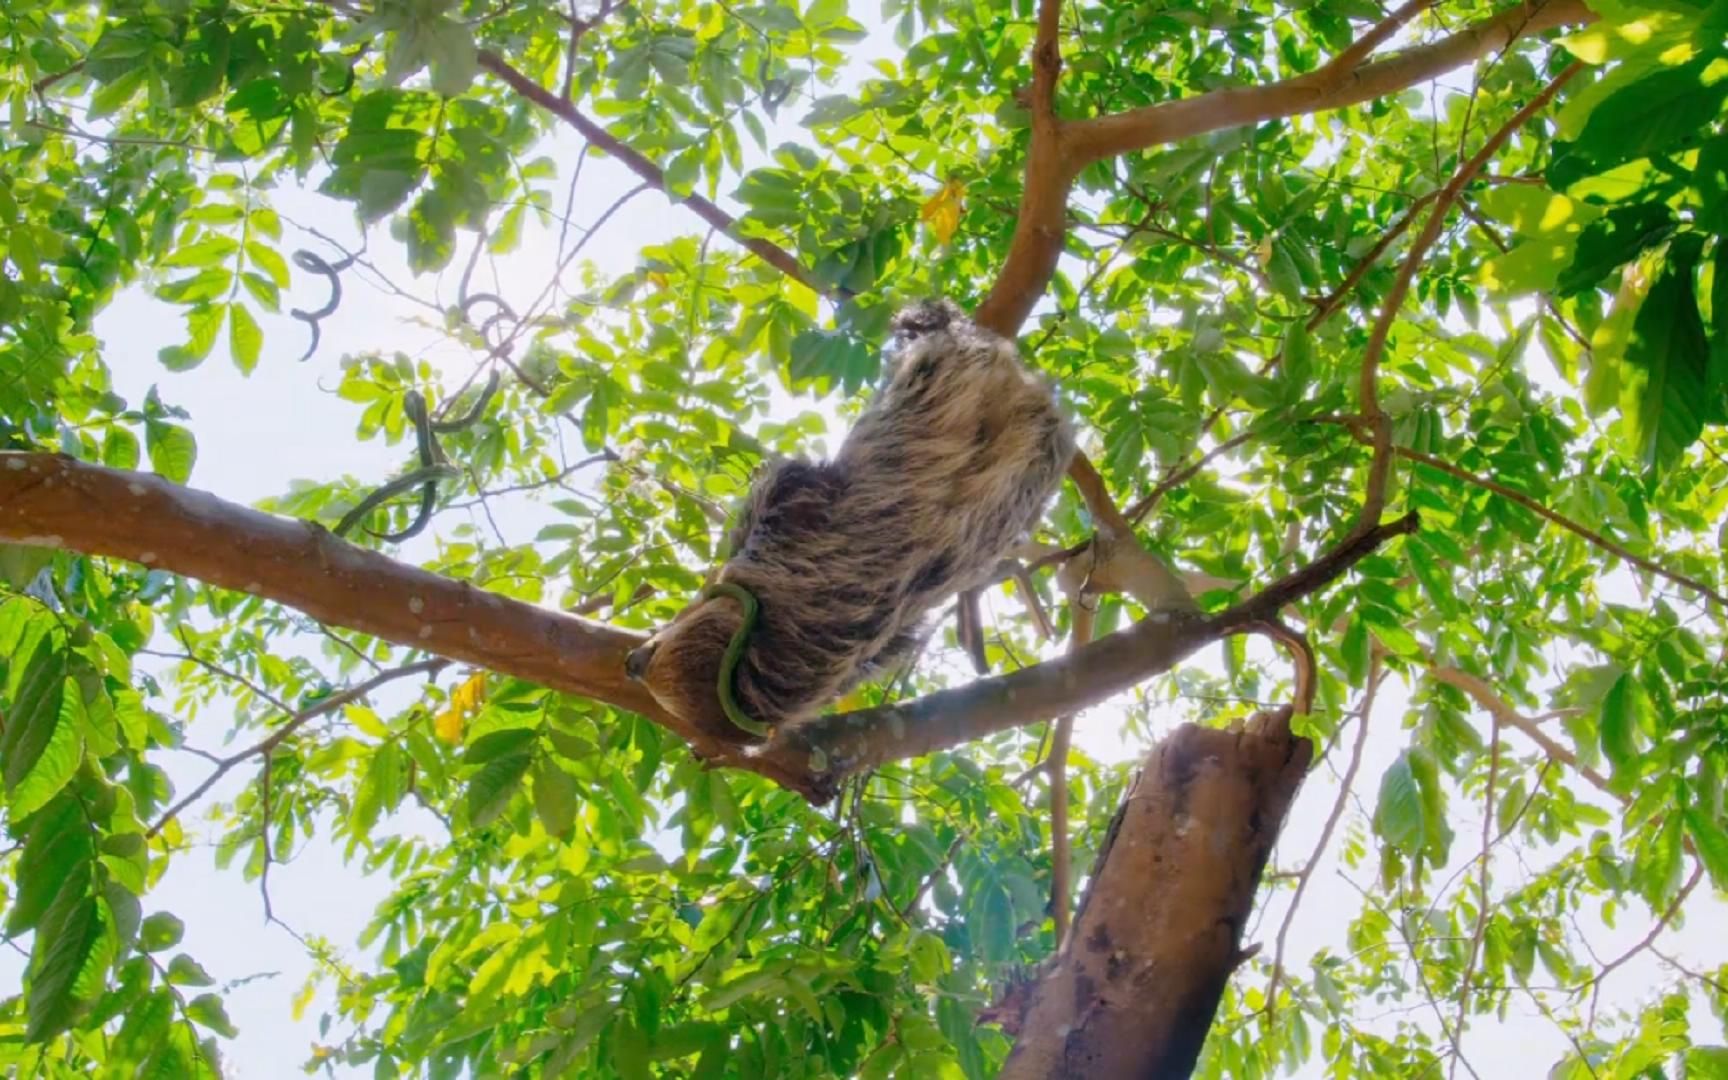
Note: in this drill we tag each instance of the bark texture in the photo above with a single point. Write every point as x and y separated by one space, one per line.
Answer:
1159 933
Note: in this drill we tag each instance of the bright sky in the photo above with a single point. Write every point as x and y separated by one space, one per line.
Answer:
258 434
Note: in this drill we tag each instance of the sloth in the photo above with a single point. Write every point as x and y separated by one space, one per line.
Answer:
948 467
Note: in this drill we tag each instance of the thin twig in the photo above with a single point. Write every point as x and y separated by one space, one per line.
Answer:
1564 522
191 657
1056 768
1594 983
1481 894
295 723
1503 713
636 162
264 836
606 454
1182 475
1363 711
42 85
1374 501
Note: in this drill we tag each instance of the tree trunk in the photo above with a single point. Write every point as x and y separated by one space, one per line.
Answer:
1158 934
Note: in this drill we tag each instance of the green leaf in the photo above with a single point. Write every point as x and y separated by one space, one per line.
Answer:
124 909
270 261
1706 1063
1613 241
1623 709
1398 815
1662 112
1667 361
160 931
1715 406
68 944
173 450
185 971
1281 268
21 565
1533 266
992 923
1712 844
1710 178
554 798
207 1010
203 61
57 849
498 744
1437 834
1533 211
930 960
449 49
381 789
34 717
58 759
120 449
212 250
1298 366
245 340
490 789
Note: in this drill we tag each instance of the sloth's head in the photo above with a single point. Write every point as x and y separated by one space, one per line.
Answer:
680 664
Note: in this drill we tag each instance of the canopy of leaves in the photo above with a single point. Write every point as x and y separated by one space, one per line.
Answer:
573 893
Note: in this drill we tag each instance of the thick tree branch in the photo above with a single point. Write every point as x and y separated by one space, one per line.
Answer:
1341 68
1159 932
55 501
1042 224
1318 91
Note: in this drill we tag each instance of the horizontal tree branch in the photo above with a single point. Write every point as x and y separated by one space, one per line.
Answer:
56 501
1093 140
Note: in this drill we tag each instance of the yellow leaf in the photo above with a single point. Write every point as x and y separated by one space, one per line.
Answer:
942 212
1264 251
464 702
470 694
659 281
303 999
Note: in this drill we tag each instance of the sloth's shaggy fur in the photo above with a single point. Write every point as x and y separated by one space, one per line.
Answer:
951 464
